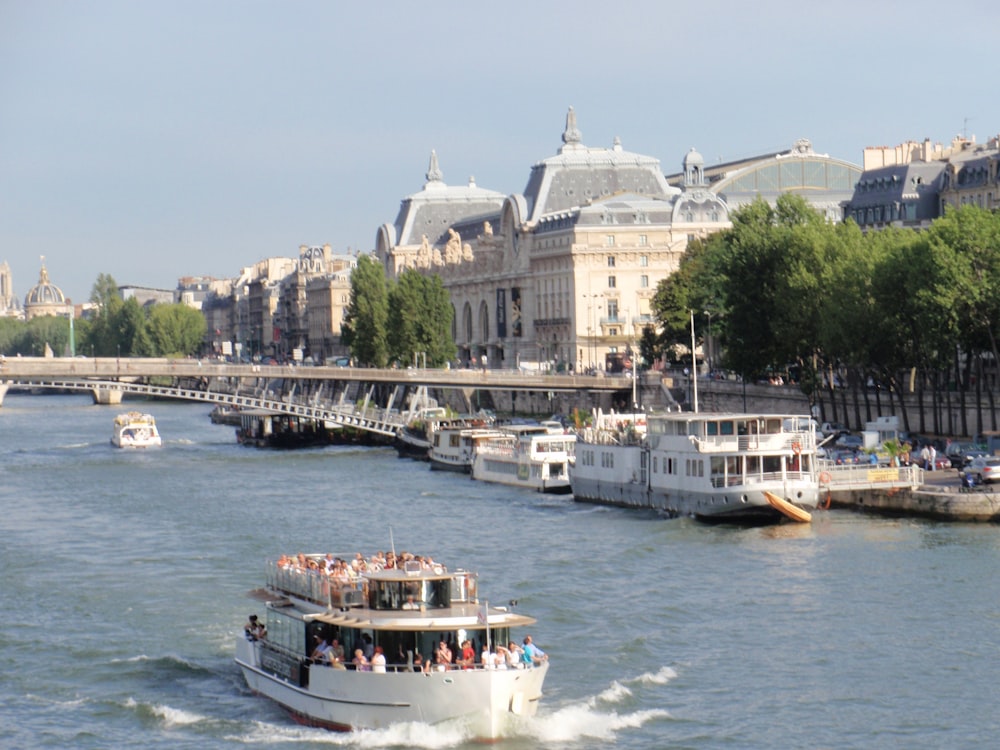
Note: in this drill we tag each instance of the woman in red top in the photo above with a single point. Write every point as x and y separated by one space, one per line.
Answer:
468 655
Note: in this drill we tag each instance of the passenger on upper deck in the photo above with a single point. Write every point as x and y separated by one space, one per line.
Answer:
410 603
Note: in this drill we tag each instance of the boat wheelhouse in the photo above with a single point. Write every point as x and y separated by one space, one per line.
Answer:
405 614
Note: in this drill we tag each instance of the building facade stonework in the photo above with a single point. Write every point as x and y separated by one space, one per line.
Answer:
562 275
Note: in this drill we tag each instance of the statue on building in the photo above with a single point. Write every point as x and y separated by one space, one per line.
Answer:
453 249
487 229
467 256
436 258
423 259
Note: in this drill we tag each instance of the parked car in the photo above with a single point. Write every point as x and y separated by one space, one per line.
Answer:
985 468
961 454
847 457
852 442
833 428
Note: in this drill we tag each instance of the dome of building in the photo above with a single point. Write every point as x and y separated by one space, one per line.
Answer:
693 159
45 298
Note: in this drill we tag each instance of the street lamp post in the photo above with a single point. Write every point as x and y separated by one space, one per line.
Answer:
708 342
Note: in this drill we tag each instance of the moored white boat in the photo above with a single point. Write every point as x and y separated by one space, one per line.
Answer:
404 614
717 468
453 448
526 456
135 430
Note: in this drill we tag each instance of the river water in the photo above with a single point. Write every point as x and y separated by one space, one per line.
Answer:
124 578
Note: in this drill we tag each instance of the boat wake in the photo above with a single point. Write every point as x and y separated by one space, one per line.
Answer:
596 717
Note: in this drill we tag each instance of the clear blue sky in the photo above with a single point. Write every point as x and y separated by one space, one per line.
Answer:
152 140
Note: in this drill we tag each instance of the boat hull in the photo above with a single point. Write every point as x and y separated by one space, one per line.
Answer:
345 700
620 477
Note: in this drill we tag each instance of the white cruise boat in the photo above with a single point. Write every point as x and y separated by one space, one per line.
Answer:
528 456
135 430
404 614
718 468
453 448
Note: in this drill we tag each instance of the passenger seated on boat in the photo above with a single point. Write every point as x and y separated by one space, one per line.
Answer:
336 651
410 603
468 657
378 660
442 657
360 662
321 650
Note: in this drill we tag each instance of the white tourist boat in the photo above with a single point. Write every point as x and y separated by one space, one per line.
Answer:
528 456
135 430
717 468
453 448
403 613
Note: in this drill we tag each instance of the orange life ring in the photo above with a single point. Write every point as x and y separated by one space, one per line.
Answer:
796 448
824 477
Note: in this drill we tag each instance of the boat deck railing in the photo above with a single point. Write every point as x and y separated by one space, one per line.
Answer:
314 586
767 477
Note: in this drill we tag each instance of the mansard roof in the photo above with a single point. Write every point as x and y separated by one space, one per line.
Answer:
579 175
439 206
915 181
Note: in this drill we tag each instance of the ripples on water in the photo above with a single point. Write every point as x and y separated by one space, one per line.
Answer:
124 577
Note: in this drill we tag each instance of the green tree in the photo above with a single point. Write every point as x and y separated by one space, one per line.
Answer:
12 335
47 330
364 329
129 329
176 330
420 316
103 337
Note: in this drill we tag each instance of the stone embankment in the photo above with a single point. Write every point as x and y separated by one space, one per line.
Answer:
940 498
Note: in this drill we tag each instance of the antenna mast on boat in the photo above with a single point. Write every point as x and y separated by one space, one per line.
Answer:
694 367
392 544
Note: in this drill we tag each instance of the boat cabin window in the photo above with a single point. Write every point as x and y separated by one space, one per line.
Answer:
395 594
286 632
722 427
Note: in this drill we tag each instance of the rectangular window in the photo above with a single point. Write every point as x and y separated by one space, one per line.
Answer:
609 240
611 261
612 282
643 241
643 260
644 281
613 310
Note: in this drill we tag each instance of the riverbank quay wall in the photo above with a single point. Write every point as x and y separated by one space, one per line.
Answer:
948 504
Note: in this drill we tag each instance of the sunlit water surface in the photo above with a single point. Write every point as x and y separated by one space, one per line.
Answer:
124 577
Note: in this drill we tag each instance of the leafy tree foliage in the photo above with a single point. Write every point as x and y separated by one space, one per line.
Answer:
364 329
175 330
898 308
420 316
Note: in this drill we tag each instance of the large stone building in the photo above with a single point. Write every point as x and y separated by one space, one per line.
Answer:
563 274
911 184
824 181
